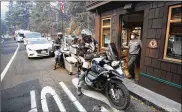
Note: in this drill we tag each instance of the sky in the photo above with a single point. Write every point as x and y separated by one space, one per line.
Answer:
4 8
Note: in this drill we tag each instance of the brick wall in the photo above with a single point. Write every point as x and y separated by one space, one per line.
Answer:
155 23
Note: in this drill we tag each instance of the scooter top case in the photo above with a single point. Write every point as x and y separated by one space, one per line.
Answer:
70 64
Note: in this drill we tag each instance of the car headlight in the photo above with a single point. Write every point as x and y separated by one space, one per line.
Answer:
30 49
49 48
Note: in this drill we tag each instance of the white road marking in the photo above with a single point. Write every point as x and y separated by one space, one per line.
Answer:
51 91
2 41
95 95
103 109
33 110
44 105
72 98
33 101
9 63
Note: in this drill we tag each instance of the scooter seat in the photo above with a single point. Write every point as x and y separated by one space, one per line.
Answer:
92 75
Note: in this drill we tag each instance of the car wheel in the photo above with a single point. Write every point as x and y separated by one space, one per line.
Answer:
29 57
51 54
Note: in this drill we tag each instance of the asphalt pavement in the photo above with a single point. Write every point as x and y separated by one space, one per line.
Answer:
32 84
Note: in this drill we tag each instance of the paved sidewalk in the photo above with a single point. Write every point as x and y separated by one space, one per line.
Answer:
158 101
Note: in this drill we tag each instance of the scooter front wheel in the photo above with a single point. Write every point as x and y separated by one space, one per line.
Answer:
118 95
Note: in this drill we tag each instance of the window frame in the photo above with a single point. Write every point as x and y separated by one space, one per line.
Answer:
167 32
105 27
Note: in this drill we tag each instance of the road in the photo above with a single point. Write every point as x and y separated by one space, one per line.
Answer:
32 84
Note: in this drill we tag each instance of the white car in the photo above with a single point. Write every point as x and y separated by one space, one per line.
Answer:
30 35
39 47
19 35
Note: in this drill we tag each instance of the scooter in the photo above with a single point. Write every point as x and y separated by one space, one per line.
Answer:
58 56
104 75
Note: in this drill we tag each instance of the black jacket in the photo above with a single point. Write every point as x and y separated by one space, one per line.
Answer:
58 41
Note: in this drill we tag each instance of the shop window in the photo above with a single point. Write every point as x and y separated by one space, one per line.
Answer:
105 32
174 34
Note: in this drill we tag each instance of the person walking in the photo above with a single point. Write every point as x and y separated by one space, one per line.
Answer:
134 47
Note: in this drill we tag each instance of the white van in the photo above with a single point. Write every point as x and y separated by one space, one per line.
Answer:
20 35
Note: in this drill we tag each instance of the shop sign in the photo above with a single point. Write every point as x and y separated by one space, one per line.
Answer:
153 44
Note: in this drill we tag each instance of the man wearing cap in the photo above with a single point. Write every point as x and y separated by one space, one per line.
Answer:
134 47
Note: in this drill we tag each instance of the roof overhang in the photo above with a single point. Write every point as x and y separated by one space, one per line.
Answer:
109 5
93 6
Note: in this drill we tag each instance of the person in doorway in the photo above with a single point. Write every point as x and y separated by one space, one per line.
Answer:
134 47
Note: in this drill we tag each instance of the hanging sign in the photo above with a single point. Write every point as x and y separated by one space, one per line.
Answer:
153 44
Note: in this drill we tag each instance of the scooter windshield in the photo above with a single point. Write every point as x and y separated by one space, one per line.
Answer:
112 52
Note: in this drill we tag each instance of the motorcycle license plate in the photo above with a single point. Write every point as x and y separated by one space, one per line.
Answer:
43 52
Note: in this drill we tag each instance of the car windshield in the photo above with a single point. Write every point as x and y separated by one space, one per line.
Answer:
38 41
33 35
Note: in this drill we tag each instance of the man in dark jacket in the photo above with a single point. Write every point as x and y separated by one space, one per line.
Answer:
59 37
57 45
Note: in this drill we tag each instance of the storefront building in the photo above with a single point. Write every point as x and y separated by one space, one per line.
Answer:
159 25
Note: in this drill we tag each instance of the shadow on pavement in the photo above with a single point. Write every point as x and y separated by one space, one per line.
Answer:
18 99
38 58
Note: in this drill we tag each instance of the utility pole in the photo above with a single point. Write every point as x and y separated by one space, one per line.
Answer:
88 20
62 22
57 13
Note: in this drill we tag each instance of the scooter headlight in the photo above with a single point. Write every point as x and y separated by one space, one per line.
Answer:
115 64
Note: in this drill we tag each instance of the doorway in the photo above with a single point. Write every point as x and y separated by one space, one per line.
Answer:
129 23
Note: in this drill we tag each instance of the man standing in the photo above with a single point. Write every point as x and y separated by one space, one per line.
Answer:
134 47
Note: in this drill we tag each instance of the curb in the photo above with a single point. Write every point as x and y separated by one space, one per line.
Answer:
147 102
150 98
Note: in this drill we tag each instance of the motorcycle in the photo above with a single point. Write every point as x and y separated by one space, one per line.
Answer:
61 51
105 74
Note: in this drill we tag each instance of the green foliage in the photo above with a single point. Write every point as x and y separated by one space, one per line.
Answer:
79 15
18 14
42 17
3 28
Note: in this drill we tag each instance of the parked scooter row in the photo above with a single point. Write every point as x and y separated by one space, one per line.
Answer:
101 71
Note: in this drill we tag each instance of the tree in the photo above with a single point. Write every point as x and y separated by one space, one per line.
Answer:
42 18
8 17
18 14
82 18
3 28
23 9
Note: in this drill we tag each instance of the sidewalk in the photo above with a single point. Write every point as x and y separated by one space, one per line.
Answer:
160 102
